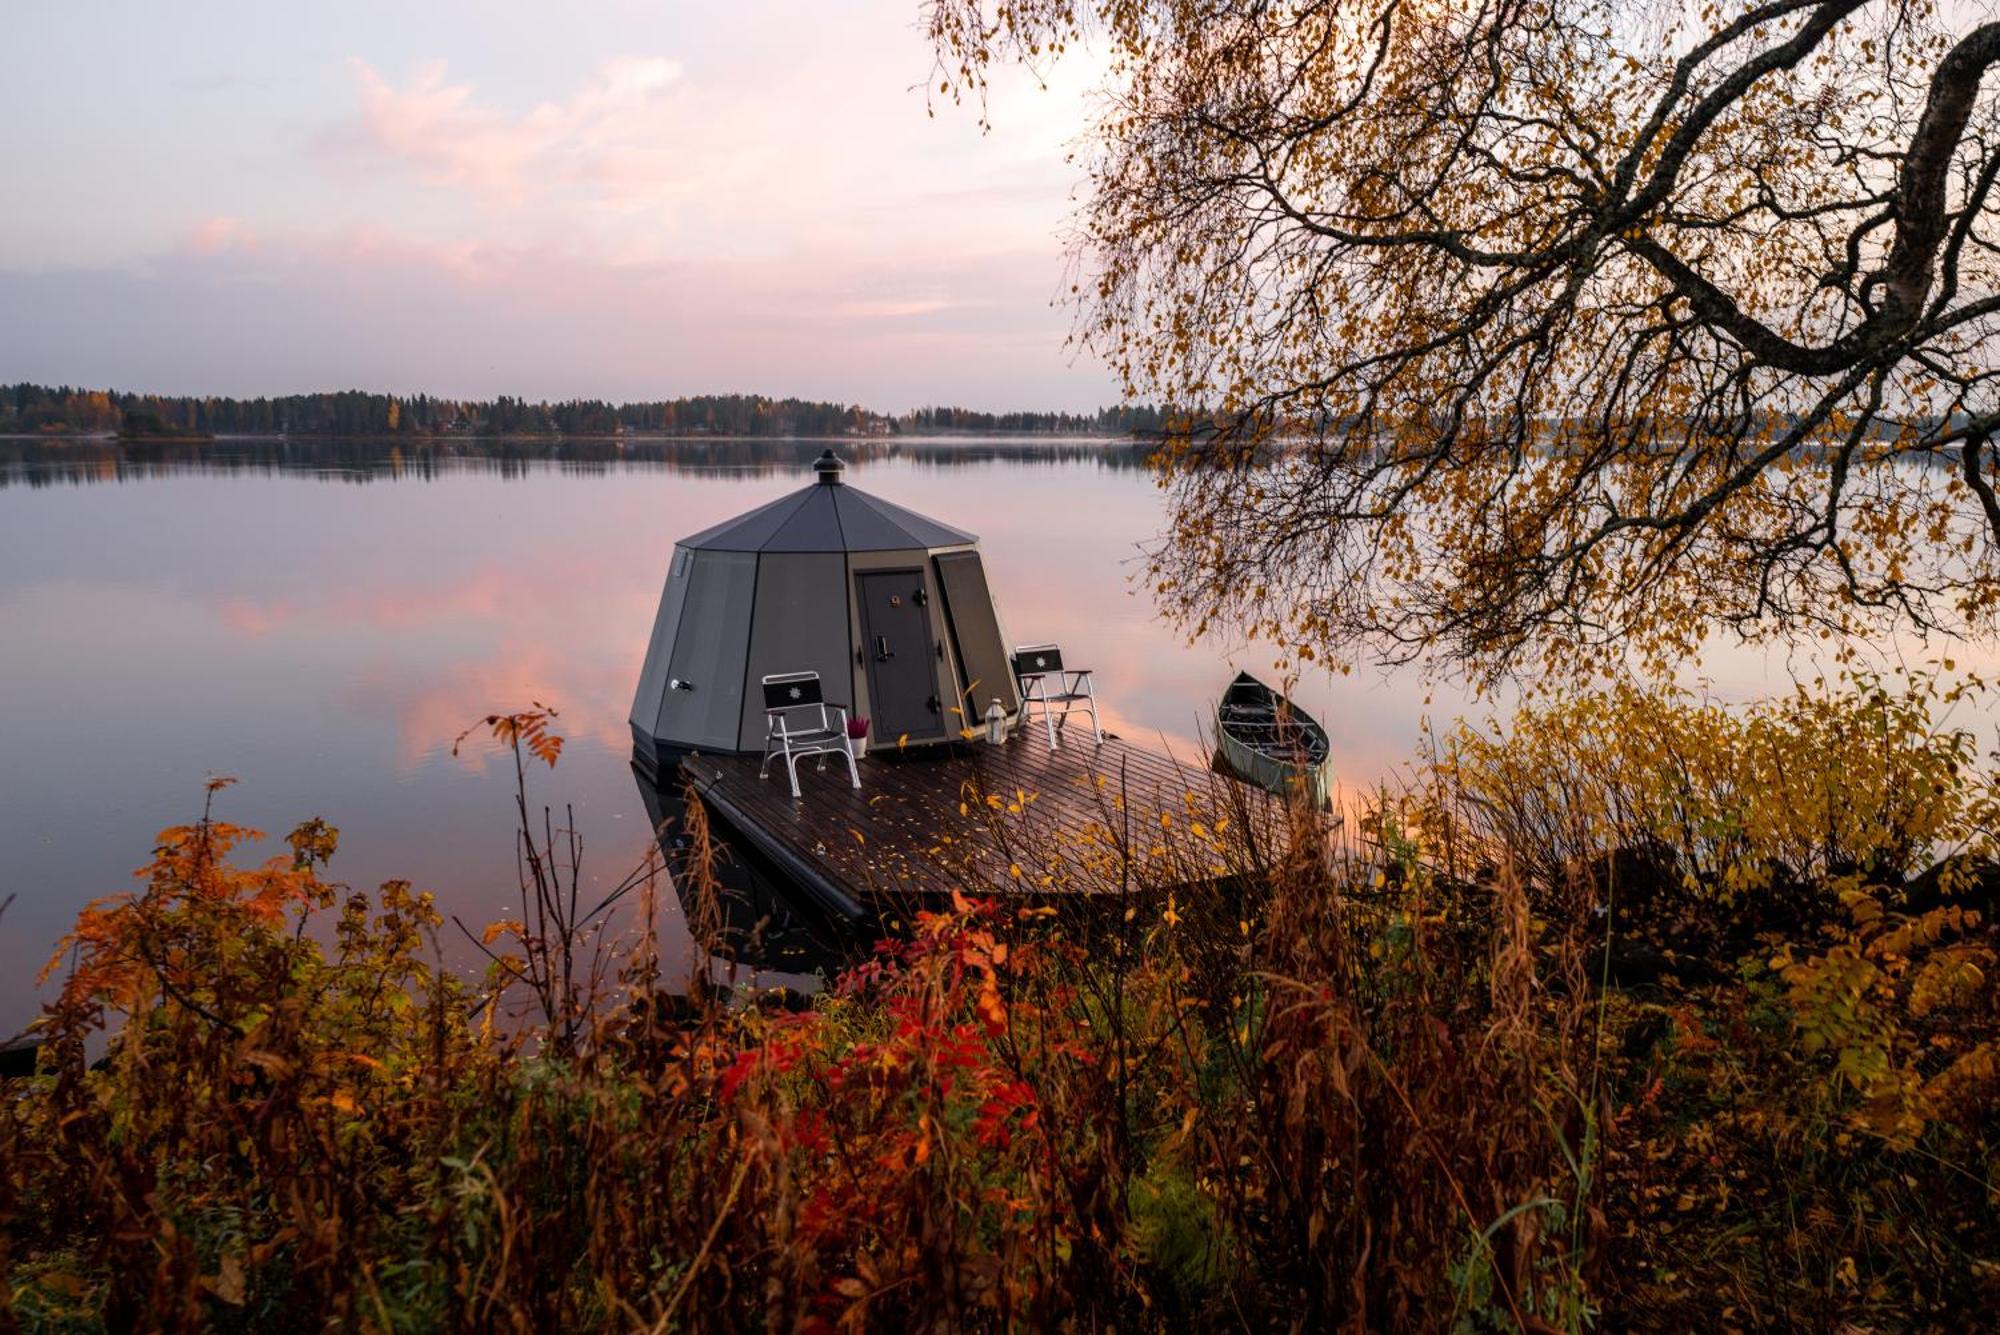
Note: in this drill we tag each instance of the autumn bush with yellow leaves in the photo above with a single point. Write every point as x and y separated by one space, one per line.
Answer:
1641 1013
1796 907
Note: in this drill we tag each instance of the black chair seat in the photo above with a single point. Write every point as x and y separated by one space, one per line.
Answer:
814 736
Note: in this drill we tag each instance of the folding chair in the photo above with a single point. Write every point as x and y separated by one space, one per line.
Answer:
1052 689
793 733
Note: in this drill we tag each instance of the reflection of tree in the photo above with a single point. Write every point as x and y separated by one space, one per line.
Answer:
38 463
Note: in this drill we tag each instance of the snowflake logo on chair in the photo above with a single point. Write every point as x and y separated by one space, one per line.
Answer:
796 692
1041 661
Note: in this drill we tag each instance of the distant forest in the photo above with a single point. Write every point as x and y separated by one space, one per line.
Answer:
61 410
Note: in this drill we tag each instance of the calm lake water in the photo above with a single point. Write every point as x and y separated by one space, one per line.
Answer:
321 621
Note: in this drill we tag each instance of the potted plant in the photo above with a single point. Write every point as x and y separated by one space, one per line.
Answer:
857 736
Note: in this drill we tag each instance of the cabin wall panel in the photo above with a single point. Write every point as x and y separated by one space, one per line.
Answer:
800 625
709 652
650 697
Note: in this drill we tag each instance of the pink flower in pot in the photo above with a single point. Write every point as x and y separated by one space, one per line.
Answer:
857 729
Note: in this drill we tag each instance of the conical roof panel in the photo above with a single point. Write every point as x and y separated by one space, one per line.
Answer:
916 530
749 530
828 518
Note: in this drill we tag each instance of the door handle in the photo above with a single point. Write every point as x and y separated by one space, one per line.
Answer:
883 653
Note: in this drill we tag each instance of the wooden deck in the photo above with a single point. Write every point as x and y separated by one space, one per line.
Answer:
982 818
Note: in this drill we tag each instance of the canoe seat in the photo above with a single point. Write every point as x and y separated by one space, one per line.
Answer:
800 721
1053 691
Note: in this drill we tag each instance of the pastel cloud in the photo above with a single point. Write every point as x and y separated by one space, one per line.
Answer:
217 234
613 135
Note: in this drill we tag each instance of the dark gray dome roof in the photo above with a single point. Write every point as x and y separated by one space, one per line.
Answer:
827 518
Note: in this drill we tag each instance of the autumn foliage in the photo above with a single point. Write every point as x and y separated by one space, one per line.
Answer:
1617 1019
1568 328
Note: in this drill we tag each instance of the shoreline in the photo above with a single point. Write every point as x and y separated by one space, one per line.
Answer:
641 438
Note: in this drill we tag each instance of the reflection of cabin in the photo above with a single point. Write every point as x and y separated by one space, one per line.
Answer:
890 608
777 937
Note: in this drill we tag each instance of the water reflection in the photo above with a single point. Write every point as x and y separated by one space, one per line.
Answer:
33 462
227 610
769 935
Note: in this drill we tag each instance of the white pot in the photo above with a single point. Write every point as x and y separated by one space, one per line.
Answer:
860 745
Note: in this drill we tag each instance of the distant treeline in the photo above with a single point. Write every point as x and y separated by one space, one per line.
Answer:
1124 421
65 460
59 410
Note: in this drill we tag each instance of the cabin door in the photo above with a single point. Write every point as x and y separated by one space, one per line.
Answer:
901 656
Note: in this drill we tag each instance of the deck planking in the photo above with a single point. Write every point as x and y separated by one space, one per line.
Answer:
1018 815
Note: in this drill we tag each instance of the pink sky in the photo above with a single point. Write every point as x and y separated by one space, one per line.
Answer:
603 199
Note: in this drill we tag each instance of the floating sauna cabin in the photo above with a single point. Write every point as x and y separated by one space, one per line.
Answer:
891 609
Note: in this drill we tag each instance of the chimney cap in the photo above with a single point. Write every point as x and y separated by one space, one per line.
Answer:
829 467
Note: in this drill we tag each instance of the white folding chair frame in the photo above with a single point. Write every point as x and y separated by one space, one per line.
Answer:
780 738
1074 692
